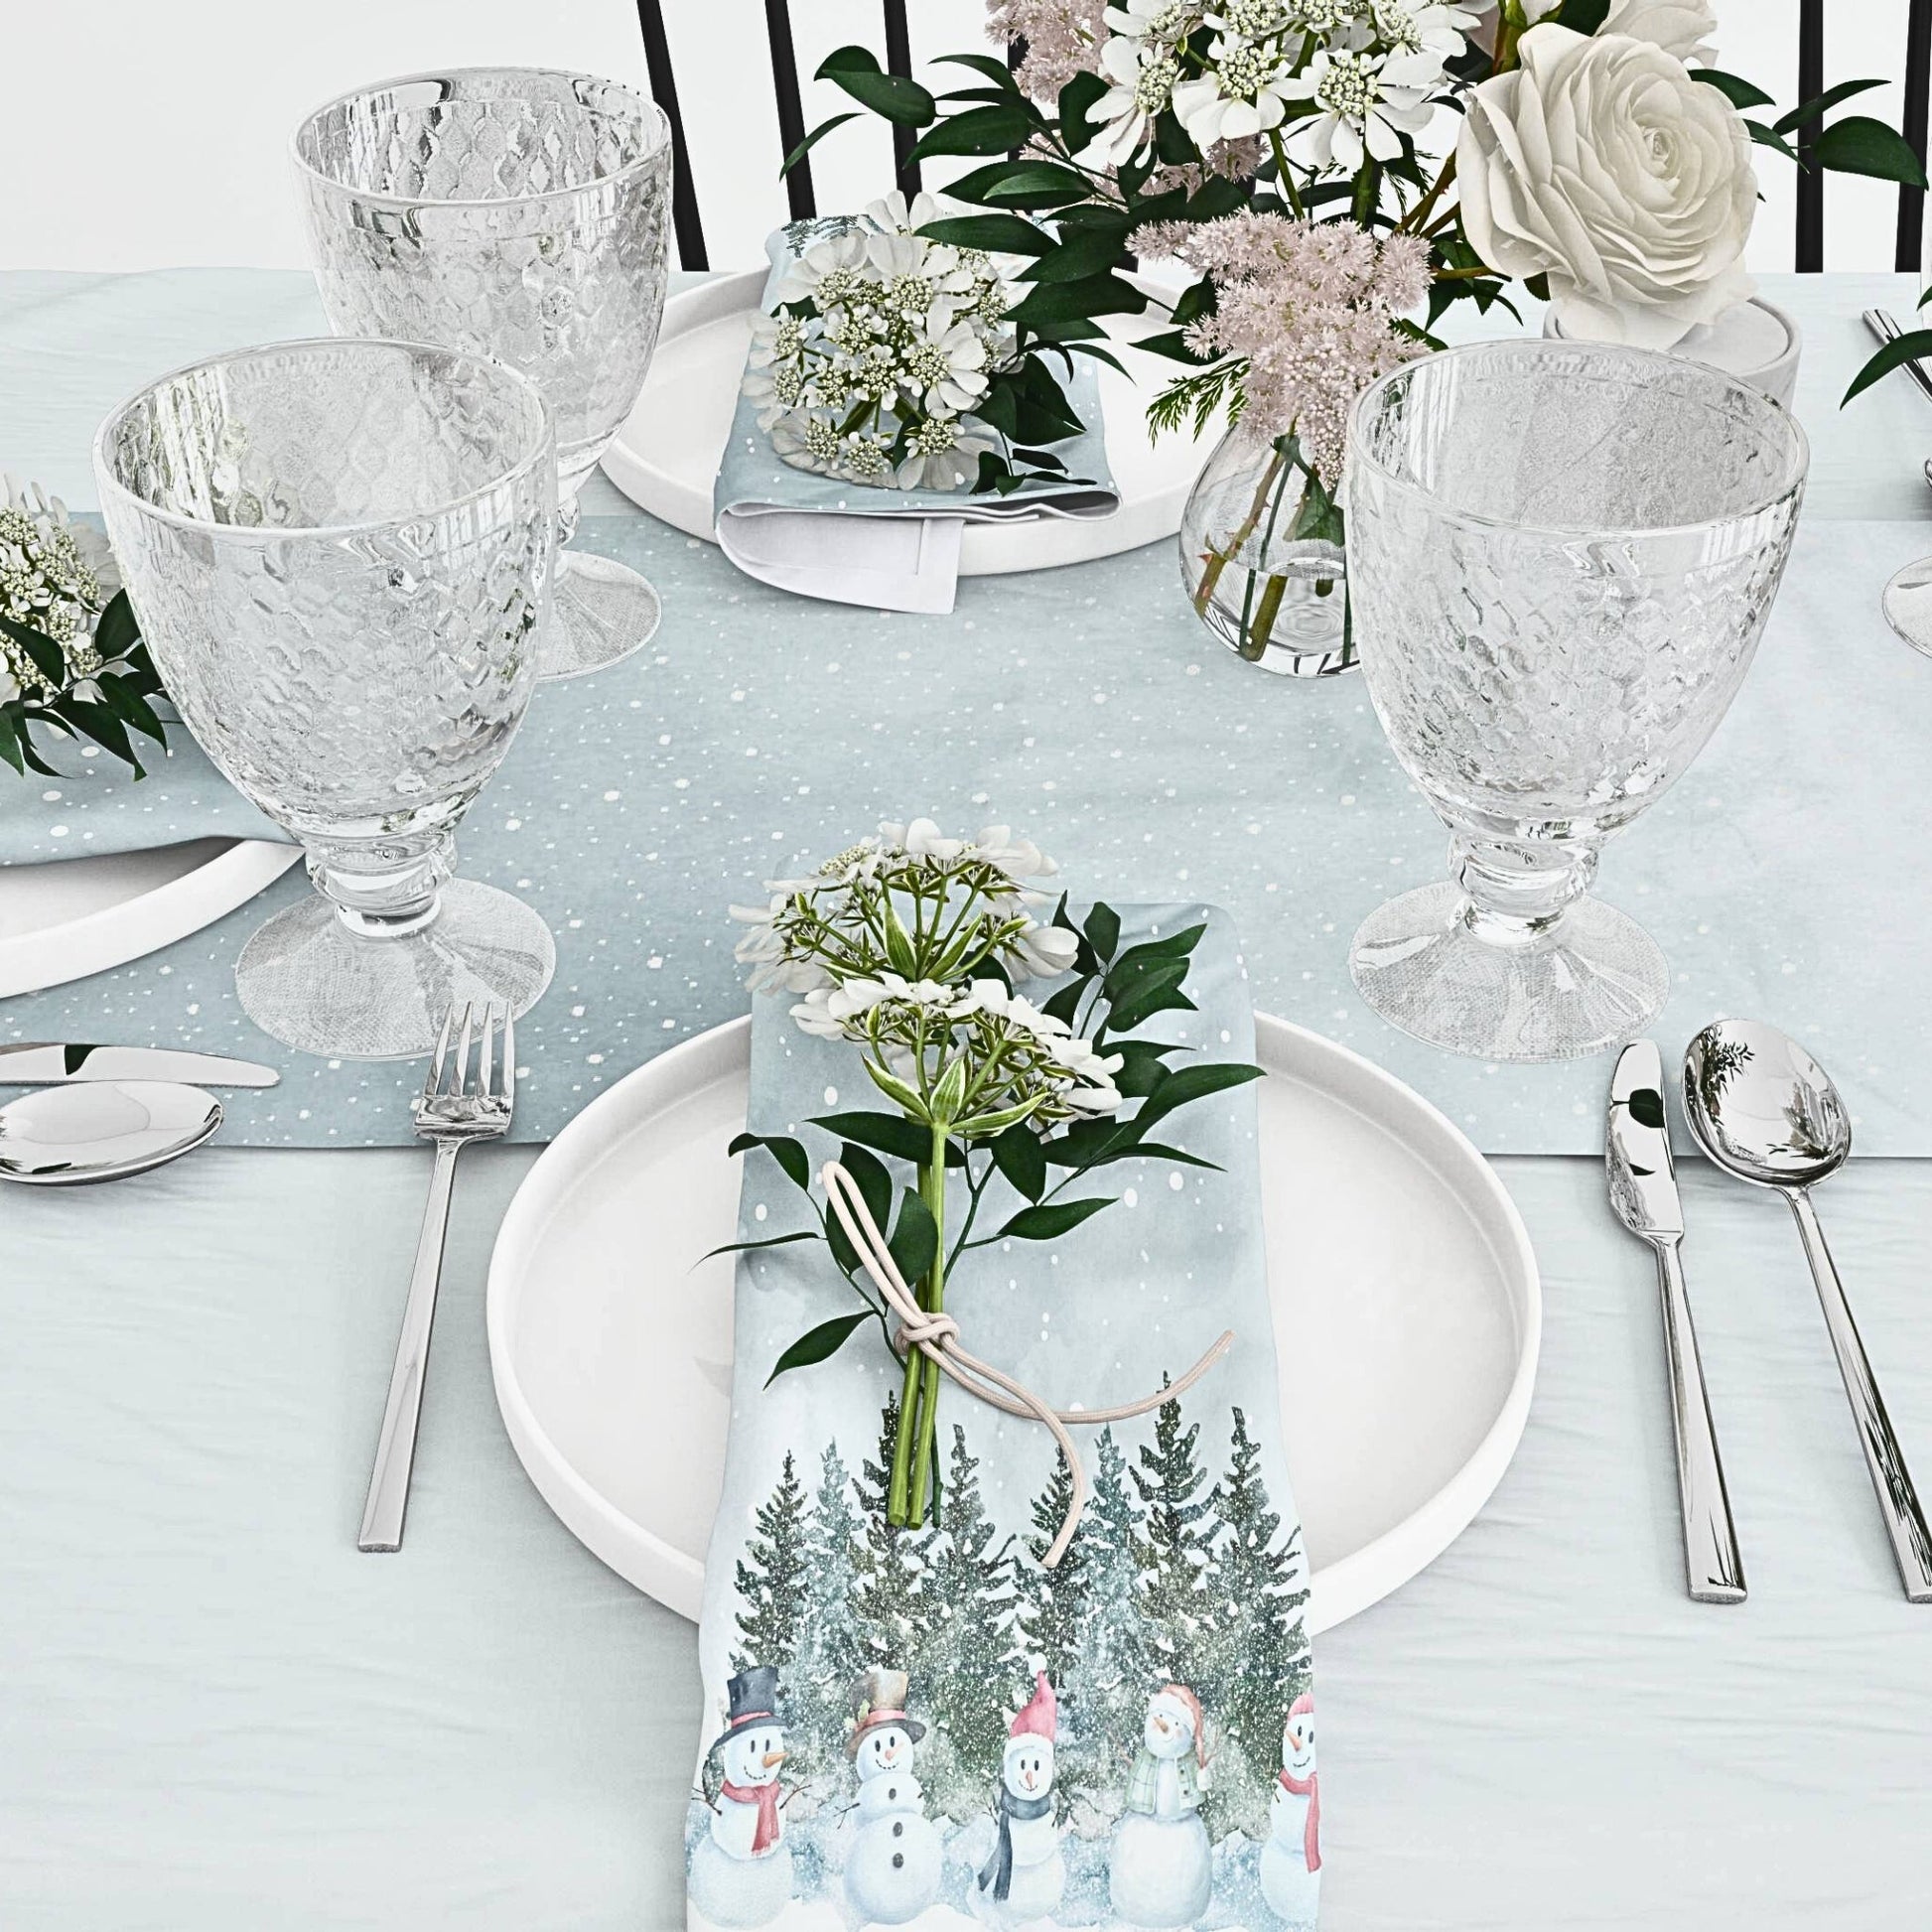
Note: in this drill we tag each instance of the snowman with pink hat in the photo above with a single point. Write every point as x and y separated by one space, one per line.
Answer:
1026 1877
1291 1861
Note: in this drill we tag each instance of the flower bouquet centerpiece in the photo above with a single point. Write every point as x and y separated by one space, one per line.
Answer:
71 661
1332 179
909 945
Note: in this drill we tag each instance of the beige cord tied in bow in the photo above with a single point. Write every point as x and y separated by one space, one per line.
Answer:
936 1336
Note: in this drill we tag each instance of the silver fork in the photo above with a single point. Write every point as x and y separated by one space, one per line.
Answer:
451 1113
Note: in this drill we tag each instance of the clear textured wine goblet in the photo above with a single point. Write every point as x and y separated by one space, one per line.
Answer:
340 552
1560 556
519 213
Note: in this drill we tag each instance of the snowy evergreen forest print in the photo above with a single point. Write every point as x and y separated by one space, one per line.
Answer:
1183 1592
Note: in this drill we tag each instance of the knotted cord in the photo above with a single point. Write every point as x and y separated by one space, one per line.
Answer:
936 1336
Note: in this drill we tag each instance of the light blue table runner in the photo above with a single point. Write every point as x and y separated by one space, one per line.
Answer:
1087 707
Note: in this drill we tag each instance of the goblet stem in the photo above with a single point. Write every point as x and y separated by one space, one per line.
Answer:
1519 890
383 891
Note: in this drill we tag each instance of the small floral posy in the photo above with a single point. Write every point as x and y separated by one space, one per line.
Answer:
883 347
907 944
71 660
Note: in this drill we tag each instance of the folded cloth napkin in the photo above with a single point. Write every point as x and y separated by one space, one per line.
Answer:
887 549
922 1728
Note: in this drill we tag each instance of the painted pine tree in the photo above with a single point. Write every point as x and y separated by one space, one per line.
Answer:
1172 1546
1054 1602
891 1594
1257 1662
1106 1689
971 1665
770 1576
823 1679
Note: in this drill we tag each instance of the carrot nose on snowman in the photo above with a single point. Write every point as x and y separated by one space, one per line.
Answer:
772 1759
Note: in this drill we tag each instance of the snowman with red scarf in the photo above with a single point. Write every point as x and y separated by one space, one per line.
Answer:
1291 1861
740 1869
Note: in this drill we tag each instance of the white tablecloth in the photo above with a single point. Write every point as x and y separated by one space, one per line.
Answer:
214 1714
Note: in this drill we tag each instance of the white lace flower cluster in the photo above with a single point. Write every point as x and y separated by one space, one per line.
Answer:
1346 78
880 345
50 574
891 942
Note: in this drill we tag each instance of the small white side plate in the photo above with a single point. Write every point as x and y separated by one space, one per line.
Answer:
667 456
1397 1262
70 917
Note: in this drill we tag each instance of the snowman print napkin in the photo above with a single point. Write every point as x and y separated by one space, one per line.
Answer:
932 1728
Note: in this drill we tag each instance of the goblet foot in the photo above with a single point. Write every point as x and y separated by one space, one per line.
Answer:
599 611
1593 979
306 979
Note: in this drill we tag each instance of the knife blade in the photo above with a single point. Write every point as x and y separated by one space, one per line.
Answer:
41 1062
1643 1193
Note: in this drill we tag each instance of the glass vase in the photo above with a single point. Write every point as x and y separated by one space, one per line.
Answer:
1262 558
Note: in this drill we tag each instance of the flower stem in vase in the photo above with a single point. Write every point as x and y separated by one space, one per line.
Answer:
1219 559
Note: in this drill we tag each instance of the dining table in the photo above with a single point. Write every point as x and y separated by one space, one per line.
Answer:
215 1713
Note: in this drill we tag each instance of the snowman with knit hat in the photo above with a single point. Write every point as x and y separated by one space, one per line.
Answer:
740 1869
1026 1875
1291 1859
892 1872
1160 1872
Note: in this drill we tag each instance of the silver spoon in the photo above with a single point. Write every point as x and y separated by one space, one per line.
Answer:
1766 1111
101 1130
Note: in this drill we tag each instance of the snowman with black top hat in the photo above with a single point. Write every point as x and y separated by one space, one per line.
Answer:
740 1869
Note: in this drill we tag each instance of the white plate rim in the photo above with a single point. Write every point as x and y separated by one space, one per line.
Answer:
112 936
988 549
1339 1591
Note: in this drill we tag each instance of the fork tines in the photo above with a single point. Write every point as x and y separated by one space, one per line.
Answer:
484 1024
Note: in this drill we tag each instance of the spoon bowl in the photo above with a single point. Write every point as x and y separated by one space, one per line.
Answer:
1763 1108
101 1130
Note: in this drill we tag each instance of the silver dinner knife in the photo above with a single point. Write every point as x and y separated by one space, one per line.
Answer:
1643 1191
39 1064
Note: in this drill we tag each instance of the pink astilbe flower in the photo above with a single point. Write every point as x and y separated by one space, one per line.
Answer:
1062 39
1309 307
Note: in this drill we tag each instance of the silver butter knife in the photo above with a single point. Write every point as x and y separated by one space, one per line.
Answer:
1643 1191
39 1064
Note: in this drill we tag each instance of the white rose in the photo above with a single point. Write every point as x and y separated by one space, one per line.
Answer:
1680 26
1601 163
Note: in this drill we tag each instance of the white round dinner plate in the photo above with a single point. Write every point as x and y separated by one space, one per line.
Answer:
667 456
1400 1272
70 917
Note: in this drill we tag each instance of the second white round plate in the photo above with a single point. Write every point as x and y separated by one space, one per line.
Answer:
666 454
1397 1263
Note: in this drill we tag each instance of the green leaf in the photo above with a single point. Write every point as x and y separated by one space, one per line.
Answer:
1102 926
43 653
1859 145
1646 1106
1067 1002
10 740
817 1345
1010 234
1076 260
770 1241
95 721
1186 1084
1764 138
116 630
996 71
915 1240
1019 1158
895 1090
1159 1151
1051 1219
1177 945
789 1154
1077 100
121 693
1821 104
814 138
891 1133
874 1182
1141 1068
1740 94
1021 183
1094 295
892 96
979 130
1900 349
1583 16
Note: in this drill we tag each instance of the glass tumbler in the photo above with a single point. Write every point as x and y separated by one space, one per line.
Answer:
341 552
1560 556
523 215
